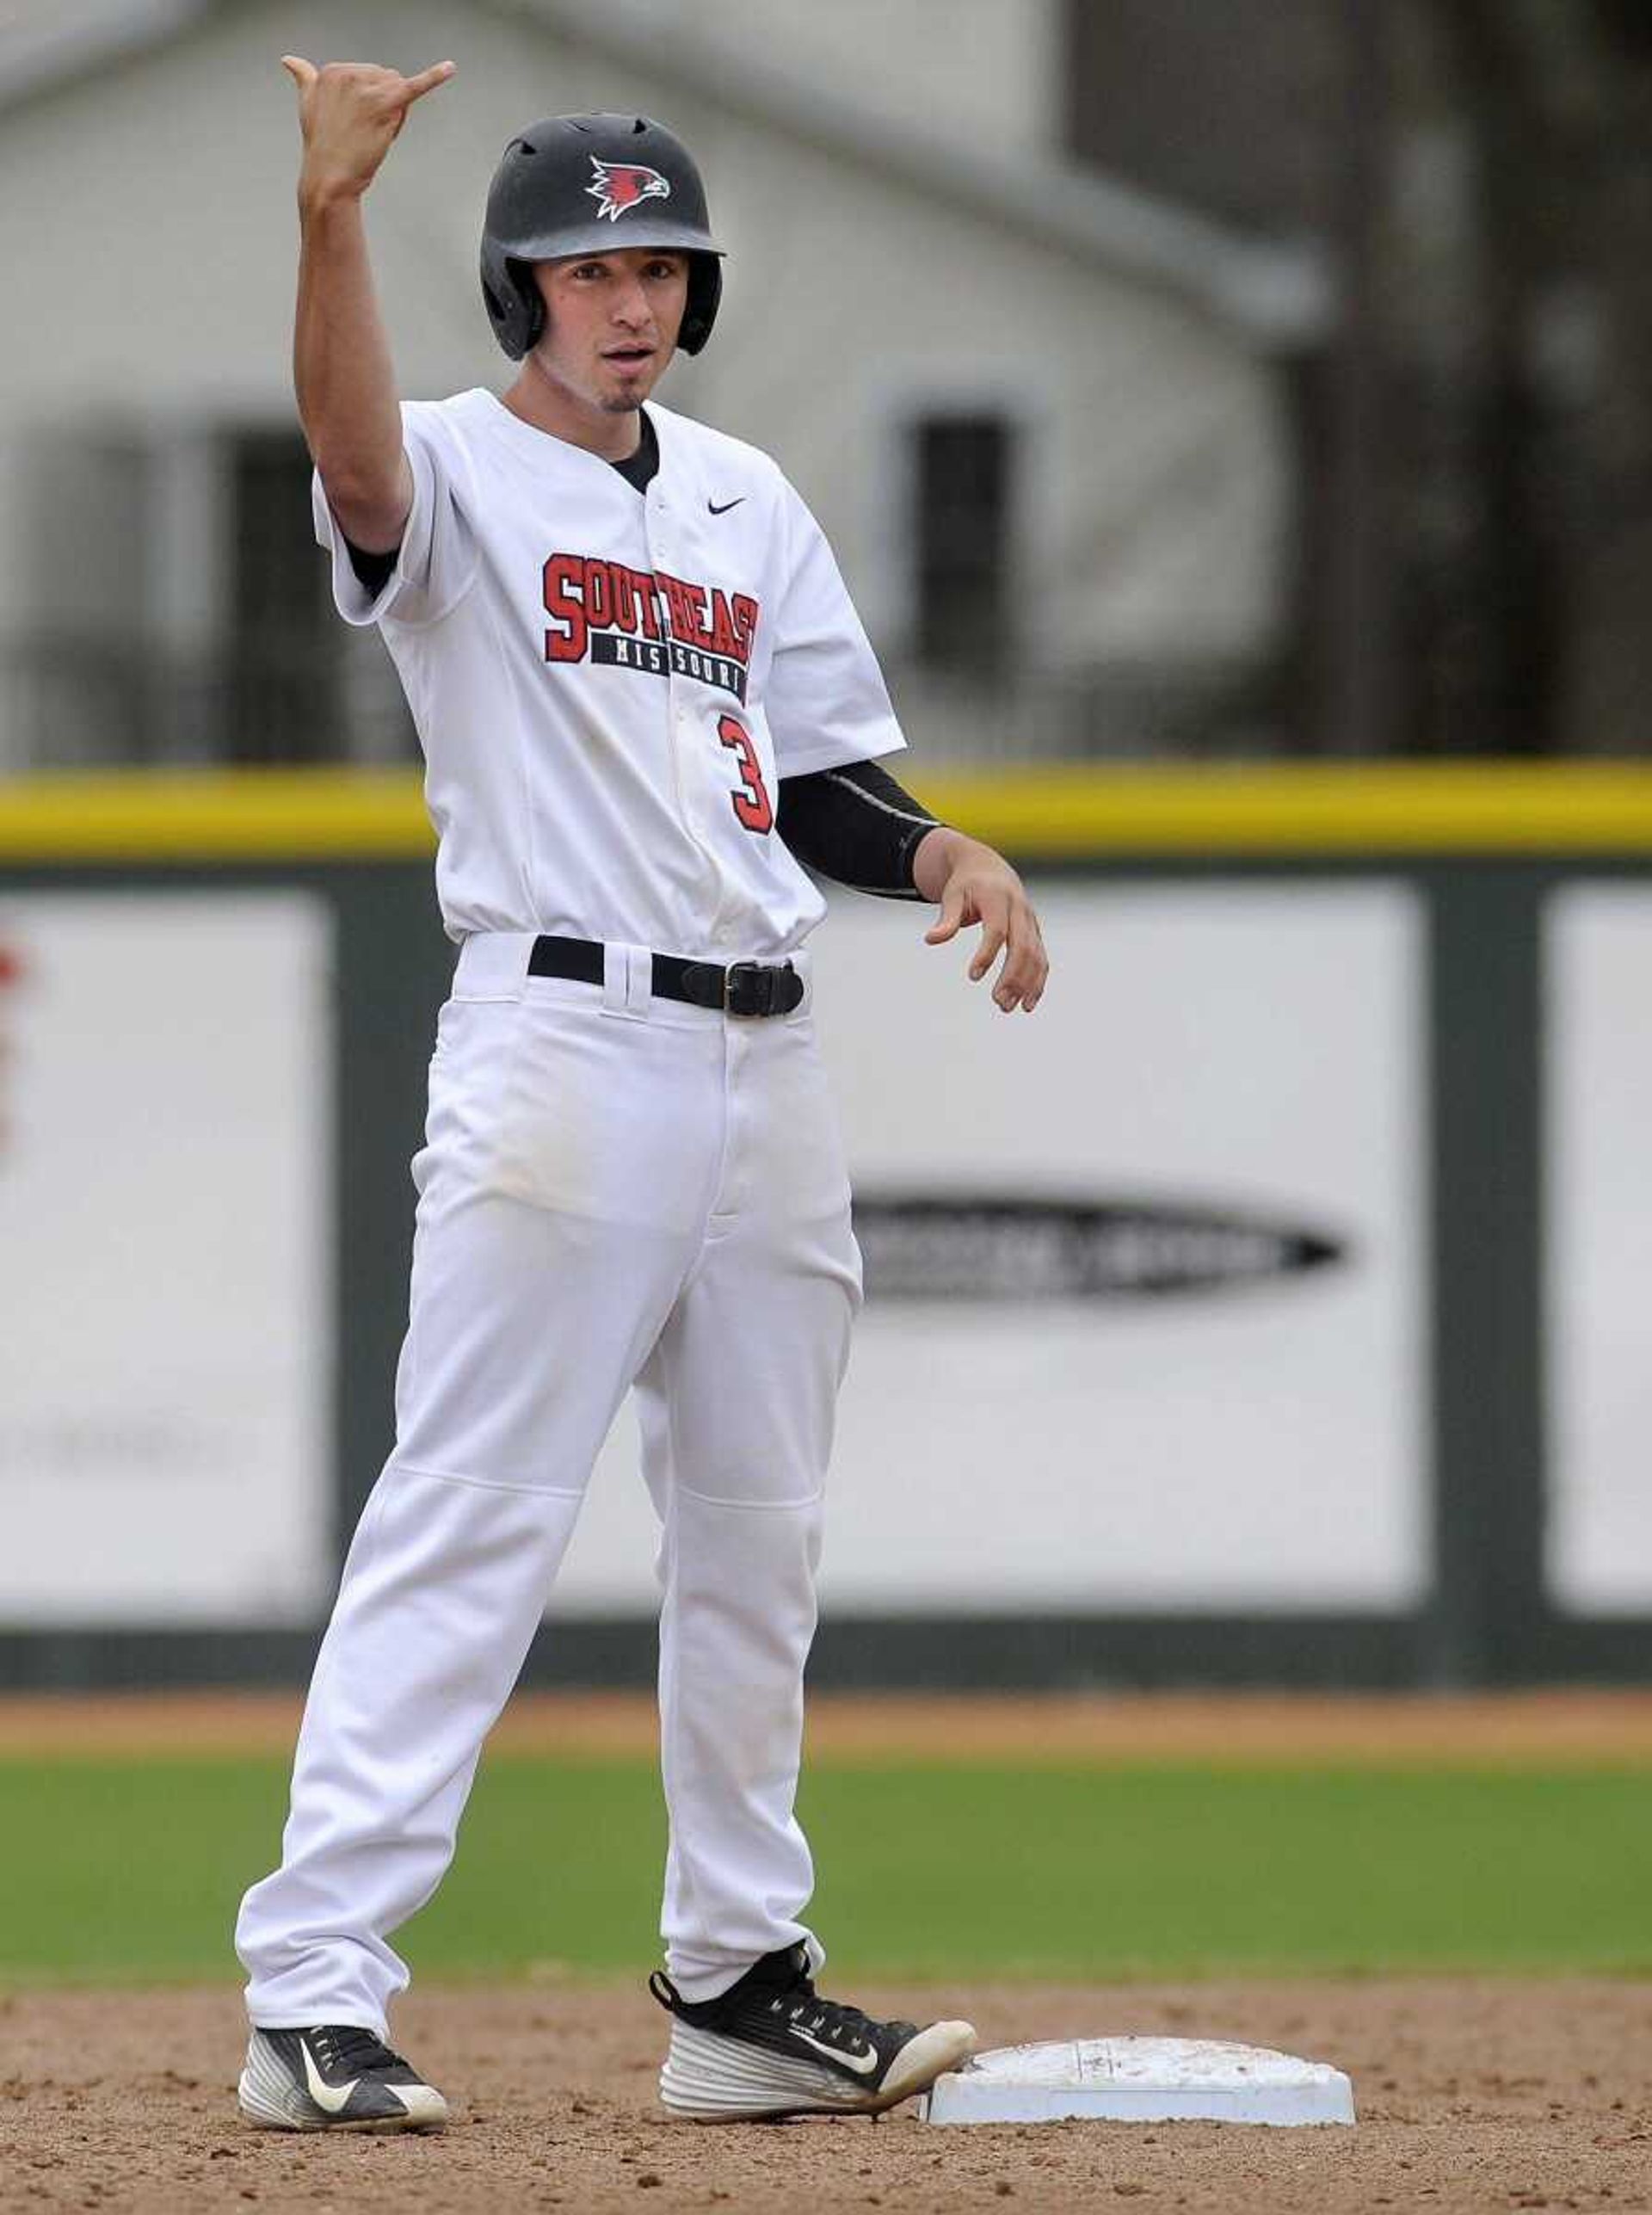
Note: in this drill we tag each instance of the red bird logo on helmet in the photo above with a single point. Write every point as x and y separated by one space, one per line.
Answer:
617 186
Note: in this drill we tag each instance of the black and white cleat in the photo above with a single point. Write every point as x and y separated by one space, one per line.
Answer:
334 2076
771 2047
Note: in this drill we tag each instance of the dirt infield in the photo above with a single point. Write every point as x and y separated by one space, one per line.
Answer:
1472 2094
1560 1729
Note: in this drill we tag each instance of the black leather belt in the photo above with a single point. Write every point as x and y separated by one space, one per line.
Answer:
745 988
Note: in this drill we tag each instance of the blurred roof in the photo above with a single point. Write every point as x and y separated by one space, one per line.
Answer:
1278 292
43 42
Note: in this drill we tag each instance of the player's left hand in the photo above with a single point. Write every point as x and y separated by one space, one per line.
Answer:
979 886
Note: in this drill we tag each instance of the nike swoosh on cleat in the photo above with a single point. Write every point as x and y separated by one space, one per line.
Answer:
861 2064
726 505
331 2099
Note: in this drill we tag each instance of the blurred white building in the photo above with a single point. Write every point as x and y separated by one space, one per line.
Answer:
1042 417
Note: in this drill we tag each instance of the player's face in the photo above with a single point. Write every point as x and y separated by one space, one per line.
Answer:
611 323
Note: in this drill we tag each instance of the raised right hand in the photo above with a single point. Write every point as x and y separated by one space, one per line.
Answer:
349 112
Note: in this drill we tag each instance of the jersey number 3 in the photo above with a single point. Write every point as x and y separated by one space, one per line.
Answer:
751 804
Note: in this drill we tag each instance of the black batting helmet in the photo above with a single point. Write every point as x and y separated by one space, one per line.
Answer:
584 184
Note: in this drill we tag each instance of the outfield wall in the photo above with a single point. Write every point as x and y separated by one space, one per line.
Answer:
1268 1308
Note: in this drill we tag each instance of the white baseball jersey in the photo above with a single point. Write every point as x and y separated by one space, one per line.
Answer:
608 685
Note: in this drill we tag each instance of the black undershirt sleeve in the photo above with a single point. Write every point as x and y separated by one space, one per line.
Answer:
374 569
855 825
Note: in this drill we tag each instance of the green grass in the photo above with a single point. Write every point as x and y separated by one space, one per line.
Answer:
123 1871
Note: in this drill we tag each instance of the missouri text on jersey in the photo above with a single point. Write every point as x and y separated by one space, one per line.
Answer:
637 619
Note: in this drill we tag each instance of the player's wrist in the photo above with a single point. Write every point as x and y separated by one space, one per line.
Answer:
325 190
934 858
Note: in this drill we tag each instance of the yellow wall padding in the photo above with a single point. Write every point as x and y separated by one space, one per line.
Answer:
1051 811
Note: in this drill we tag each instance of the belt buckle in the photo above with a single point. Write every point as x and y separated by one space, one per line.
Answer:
754 970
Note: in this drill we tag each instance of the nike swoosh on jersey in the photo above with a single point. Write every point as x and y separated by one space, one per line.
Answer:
726 505
861 2064
333 2099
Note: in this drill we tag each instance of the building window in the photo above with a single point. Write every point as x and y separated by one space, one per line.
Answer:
303 688
962 479
283 669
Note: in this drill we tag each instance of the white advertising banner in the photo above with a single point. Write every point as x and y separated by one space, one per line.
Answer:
1146 1317
165 1229
1597 1246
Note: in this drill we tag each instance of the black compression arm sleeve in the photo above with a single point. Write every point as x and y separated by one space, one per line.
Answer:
856 825
374 569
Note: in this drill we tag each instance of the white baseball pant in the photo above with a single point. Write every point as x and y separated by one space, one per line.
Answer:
614 1190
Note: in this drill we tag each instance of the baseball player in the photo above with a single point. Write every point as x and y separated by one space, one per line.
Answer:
644 700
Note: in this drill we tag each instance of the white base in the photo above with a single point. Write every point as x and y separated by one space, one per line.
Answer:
1140 2080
